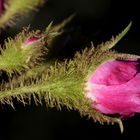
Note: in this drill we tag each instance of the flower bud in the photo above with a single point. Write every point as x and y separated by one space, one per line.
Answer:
114 88
34 40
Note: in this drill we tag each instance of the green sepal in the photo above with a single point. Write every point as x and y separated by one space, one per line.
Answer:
16 56
16 9
114 40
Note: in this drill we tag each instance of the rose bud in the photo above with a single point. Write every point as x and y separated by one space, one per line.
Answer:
114 87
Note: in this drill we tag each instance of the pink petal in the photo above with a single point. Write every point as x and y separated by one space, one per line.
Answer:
115 72
115 87
31 40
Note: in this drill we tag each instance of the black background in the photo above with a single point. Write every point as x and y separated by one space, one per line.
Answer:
97 21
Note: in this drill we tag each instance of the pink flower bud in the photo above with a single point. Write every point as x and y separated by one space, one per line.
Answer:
114 88
2 8
32 40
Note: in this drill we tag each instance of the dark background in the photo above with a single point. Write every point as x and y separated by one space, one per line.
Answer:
97 21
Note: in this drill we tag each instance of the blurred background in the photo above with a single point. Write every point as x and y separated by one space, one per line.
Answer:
97 21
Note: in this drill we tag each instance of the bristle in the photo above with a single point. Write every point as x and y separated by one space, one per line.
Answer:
15 9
